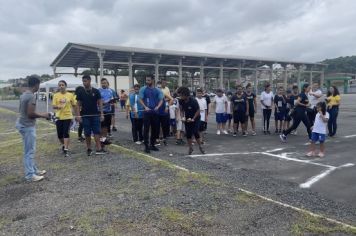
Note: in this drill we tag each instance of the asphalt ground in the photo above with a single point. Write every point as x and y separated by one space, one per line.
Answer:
270 168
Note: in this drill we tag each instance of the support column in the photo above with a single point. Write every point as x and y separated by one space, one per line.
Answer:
311 78
256 81
285 81
76 71
156 70
271 78
221 76
54 72
239 72
299 77
322 78
101 65
201 81
180 73
131 79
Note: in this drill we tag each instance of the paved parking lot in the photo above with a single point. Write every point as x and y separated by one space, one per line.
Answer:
332 176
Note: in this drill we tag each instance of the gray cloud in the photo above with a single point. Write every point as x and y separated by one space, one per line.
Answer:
32 33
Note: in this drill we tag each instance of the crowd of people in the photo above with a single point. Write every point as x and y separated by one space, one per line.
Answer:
156 113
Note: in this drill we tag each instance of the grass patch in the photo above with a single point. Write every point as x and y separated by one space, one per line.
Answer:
243 197
3 222
9 179
317 225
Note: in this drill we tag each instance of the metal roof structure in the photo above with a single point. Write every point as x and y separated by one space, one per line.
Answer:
76 55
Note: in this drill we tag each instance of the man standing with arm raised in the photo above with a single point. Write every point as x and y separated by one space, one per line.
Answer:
151 98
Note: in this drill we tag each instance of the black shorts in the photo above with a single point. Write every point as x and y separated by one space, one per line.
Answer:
63 128
107 121
251 113
113 110
239 117
203 126
192 128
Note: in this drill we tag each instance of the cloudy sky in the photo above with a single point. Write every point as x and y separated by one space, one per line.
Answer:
33 32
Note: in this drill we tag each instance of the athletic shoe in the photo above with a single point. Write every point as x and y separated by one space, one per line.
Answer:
41 172
265 132
268 132
100 152
147 149
106 142
253 133
283 138
138 142
89 152
36 178
81 139
218 132
235 134
294 132
321 154
114 129
154 148
190 151
225 132
63 149
244 134
66 153
310 154
180 142
110 135
165 142
201 150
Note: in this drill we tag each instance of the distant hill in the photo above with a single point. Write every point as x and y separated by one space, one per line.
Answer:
341 65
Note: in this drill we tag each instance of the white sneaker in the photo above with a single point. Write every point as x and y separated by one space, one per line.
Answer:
138 142
321 154
253 133
41 172
310 154
225 132
218 132
36 178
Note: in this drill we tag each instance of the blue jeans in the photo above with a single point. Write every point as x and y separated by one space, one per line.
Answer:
332 125
29 148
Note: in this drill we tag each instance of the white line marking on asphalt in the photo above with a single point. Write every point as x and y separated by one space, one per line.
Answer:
350 136
299 209
283 156
322 175
275 150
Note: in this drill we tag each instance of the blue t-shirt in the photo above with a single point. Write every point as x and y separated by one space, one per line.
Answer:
162 110
135 105
106 96
151 96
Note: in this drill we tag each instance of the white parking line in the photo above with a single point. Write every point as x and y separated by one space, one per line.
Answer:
322 175
350 136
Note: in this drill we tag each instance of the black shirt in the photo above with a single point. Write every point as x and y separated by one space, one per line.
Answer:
190 108
304 100
239 103
250 99
89 100
281 102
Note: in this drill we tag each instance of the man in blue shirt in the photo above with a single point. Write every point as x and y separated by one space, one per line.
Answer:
136 115
151 98
107 97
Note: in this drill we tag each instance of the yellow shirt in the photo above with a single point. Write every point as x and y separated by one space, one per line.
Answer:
66 101
333 100
167 93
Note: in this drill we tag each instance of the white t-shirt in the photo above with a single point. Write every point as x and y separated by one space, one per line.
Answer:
267 99
172 111
314 100
203 106
228 107
220 104
319 124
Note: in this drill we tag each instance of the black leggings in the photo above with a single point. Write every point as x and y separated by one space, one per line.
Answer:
63 128
164 125
266 118
299 116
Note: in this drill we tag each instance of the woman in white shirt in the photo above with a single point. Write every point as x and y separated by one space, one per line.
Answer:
266 103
